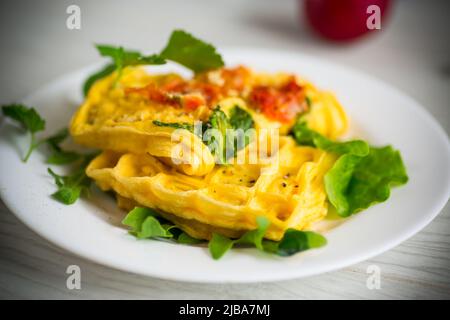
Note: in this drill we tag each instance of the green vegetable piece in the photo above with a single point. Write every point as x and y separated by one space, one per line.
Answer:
355 183
184 238
219 245
30 121
191 52
305 136
71 186
59 156
240 119
106 70
176 125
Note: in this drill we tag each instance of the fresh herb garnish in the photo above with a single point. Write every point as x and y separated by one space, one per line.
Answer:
231 132
146 223
123 58
176 125
30 121
106 70
306 136
71 186
59 156
362 175
182 48
355 183
240 119
292 242
191 52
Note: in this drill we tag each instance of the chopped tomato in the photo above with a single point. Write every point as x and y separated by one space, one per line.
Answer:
192 101
235 78
153 93
281 104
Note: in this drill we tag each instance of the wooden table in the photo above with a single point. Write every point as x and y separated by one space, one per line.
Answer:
412 53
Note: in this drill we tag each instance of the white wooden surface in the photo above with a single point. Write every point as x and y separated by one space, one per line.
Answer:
413 53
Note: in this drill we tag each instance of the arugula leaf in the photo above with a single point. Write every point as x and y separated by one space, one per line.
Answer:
219 245
184 238
30 121
152 228
355 183
256 236
106 70
144 224
305 136
136 217
191 52
60 156
176 125
293 241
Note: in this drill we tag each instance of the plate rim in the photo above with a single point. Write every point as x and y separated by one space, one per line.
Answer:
438 205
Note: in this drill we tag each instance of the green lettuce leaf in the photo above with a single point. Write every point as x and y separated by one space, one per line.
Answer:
305 136
355 183
362 175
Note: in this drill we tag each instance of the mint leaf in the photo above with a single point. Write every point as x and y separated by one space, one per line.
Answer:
30 121
27 117
355 183
240 119
121 59
59 156
216 139
71 186
182 47
191 52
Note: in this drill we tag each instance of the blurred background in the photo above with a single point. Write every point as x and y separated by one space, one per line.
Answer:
411 51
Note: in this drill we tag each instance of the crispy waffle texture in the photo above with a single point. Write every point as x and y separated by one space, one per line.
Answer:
289 191
200 196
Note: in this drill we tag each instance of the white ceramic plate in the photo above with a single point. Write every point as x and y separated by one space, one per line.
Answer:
91 228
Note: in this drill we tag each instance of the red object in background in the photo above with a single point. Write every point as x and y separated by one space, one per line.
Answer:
342 20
